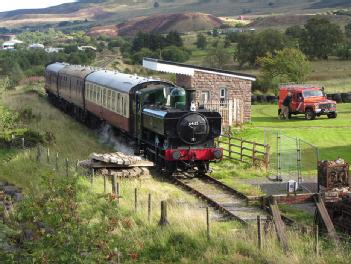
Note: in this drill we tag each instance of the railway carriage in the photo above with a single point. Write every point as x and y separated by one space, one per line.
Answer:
157 115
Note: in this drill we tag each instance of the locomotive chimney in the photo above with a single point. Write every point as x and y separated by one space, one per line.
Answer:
190 97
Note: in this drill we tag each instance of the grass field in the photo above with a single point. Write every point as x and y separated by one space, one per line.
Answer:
332 136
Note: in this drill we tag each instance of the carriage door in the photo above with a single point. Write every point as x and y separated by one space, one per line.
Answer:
138 115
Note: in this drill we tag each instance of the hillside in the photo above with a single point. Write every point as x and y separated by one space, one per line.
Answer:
161 23
112 12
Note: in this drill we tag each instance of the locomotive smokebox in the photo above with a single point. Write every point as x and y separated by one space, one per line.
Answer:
190 97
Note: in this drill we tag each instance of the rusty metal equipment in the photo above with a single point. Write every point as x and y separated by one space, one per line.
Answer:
333 174
340 213
335 182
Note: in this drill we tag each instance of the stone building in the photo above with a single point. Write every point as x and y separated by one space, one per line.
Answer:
211 85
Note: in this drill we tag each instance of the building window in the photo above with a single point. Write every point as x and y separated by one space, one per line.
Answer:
222 95
205 96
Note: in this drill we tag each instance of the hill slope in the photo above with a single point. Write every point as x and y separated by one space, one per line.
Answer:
162 23
107 12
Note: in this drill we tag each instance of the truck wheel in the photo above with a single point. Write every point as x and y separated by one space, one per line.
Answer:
310 115
332 115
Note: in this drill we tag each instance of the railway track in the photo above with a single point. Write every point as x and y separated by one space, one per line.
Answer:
229 202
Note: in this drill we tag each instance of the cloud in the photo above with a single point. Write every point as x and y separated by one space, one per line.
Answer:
25 4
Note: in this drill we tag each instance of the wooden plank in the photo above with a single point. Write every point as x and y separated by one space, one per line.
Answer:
325 217
279 224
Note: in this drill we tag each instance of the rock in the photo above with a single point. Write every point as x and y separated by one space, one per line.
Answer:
18 196
10 190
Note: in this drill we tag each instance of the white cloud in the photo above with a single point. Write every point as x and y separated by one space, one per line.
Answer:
7 5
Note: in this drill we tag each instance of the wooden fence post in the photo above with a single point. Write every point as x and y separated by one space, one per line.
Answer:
230 146
114 184
253 153
105 183
23 146
92 176
135 199
259 232
66 167
149 208
163 219
56 161
208 223
48 155
241 149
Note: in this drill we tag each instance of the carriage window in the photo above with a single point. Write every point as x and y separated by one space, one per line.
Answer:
113 101
108 99
122 104
119 103
98 97
125 107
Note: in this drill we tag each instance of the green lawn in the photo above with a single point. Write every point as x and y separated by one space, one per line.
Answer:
332 136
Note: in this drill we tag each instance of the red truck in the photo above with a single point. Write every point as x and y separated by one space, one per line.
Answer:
308 100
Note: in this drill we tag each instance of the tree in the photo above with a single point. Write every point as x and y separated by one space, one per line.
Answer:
201 41
320 37
176 54
251 46
173 38
144 52
294 32
289 65
218 57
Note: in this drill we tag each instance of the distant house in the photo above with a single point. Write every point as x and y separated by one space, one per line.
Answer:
87 48
229 91
53 50
7 37
36 46
10 45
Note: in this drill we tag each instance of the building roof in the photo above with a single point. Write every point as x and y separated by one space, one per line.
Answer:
180 68
117 81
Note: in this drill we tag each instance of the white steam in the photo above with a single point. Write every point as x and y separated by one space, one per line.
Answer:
118 142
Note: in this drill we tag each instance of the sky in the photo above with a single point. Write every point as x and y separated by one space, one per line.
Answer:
8 5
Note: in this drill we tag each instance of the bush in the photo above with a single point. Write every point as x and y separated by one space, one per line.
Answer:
173 53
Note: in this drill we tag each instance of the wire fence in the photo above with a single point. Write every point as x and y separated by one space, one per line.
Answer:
291 158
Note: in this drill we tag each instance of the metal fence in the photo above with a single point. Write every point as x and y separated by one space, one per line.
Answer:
291 158
232 111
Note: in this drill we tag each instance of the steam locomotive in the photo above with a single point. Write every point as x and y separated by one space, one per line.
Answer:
160 117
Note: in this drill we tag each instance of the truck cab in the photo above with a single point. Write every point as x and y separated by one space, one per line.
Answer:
308 100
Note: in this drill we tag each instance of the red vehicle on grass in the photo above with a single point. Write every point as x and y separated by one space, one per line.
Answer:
308 100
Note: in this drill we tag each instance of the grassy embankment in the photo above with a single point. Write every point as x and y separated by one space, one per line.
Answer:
184 241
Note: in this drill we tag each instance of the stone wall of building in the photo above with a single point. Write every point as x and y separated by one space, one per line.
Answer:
235 87
183 80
